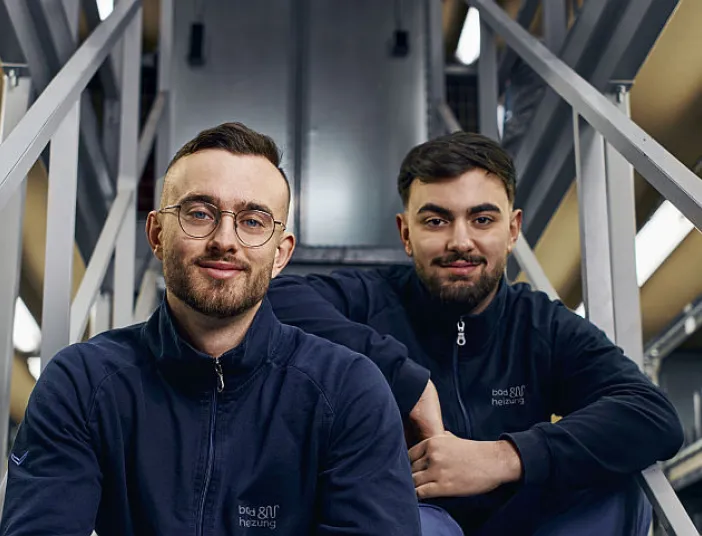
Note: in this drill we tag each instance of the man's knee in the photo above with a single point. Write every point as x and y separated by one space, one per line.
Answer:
619 511
437 522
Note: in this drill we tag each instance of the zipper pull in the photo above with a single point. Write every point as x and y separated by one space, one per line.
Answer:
220 375
461 339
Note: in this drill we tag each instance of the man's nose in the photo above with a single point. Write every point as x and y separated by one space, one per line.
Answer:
224 237
461 238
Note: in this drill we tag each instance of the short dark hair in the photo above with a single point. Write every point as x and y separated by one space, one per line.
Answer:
235 138
450 156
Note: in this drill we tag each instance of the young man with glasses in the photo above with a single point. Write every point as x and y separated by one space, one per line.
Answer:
212 418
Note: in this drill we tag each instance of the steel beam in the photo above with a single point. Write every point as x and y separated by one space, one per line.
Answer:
101 314
58 39
451 124
348 255
10 49
299 111
665 173
555 24
594 236
107 71
26 142
165 66
60 234
679 330
14 101
625 32
148 133
128 179
487 83
529 264
526 14
621 219
97 267
435 66
669 510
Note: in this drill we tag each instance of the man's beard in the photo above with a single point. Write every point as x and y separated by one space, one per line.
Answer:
218 298
459 291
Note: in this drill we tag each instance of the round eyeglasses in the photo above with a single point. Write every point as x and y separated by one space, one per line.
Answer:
200 219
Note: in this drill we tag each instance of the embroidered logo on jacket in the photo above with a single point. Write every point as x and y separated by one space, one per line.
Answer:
19 460
258 516
510 396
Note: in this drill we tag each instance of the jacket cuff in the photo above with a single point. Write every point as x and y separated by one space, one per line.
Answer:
409 384
534 453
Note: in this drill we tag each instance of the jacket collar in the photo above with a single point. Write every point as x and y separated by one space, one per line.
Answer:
195 370
433 315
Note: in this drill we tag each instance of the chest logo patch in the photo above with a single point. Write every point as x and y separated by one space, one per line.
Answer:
510 396
258 516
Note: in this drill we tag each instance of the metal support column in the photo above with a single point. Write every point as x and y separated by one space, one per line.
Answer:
435 67
555 24
165 55
13 104
528 262
100 314
607 233
60 236
299 117
487 83
591 175
125 250
622 239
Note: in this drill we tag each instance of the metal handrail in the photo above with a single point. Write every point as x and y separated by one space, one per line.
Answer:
97 267
148 133
665 173
102 254
660 168
652 479
20 150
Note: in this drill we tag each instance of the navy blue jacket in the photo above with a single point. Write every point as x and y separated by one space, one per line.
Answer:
524 358
128 433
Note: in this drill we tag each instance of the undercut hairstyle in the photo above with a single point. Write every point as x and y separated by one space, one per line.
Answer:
451 156
237 139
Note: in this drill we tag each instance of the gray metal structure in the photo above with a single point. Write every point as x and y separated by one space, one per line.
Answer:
343 109
606 148
342 148
13 104
608 41
55 120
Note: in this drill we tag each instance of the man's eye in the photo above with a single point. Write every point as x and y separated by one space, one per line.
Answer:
434 222
253 223
200 215
483 220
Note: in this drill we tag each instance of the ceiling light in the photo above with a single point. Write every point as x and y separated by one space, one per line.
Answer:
26 335
655 242
468 48
105 7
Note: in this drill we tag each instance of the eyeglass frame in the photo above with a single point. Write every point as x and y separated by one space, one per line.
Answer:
234 214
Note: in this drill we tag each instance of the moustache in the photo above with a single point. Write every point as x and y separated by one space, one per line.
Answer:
239 265
456 257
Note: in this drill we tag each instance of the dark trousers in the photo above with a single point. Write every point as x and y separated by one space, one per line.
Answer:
620 510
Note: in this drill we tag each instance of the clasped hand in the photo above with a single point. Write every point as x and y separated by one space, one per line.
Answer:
448 466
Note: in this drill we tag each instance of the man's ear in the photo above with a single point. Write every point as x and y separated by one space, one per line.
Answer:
403 228
153 234
515 227
283 252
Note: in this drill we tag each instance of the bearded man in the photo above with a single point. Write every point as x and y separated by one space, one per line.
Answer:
502 358
213 418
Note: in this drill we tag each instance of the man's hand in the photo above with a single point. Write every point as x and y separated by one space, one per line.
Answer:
425 418
447 466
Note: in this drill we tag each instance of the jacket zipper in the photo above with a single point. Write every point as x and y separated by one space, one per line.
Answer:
210 447
460 341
